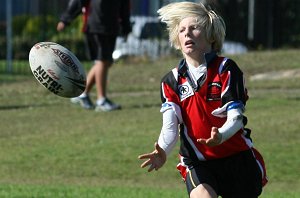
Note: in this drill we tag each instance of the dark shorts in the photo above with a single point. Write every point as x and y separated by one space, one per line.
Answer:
101 46
232 177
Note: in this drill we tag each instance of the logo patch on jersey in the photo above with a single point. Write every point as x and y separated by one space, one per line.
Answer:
214 91
185 91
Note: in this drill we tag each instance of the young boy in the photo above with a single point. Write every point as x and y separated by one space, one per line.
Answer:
204 100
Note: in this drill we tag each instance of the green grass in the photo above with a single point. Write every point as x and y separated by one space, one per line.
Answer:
51 148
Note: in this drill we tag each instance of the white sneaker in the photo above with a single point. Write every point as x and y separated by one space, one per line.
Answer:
85 102
107 105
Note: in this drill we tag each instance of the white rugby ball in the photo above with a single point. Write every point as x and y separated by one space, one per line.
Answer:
57 69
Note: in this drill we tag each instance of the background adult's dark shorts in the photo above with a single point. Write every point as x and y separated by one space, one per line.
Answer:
101 46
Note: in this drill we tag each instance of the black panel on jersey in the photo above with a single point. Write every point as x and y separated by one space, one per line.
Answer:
236 90
186 149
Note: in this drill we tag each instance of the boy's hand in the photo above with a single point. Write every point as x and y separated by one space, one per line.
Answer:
156 159
214 140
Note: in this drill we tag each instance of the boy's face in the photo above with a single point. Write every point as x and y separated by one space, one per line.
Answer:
191 38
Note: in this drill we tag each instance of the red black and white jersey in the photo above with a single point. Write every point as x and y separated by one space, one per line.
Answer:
194 104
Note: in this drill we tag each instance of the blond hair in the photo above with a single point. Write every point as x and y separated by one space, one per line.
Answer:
211 23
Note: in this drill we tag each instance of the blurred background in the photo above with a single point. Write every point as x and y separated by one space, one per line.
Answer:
251 25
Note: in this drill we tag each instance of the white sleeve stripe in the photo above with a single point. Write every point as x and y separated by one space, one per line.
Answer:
163 91
222 65
175 73
227 86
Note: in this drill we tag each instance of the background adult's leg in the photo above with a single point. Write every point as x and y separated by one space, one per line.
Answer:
101 73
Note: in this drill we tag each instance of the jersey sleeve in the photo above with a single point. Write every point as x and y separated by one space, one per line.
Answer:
168 89
169 96
234 92
74 9
233 84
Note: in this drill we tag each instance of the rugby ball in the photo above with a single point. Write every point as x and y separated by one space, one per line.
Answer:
57 69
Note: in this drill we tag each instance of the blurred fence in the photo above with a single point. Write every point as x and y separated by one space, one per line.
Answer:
270 24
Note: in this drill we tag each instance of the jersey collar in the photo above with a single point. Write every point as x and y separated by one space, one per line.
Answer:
183 70
182 67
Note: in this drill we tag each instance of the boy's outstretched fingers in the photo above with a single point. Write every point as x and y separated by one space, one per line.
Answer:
147 162
155 159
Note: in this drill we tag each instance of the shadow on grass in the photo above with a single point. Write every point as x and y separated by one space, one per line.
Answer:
142 106
16 107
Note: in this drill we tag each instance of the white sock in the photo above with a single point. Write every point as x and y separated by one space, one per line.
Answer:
83 95
100 101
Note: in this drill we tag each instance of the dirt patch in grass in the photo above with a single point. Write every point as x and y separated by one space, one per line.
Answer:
276 75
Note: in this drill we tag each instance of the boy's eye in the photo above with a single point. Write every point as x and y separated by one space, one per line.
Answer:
195 27
181 30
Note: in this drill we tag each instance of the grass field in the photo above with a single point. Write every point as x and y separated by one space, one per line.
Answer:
51 148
